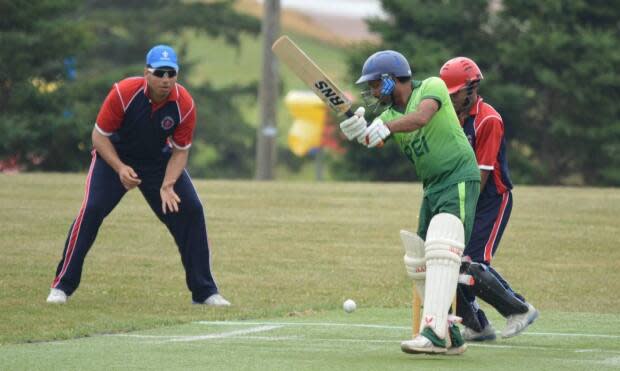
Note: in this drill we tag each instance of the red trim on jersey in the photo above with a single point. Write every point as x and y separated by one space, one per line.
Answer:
488 248
182 137
75 231
121 96
489 130
489 133
115 105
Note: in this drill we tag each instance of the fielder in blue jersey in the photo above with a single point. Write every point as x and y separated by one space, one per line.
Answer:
484 129
141 140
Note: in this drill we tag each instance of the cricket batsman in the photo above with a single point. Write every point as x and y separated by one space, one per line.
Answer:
419 116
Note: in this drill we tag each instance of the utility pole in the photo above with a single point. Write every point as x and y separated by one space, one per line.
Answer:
267 132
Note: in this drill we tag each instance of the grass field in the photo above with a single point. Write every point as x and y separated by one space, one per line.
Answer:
365 340
291 253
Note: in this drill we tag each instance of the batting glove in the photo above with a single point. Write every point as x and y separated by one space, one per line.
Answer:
376 134
355 125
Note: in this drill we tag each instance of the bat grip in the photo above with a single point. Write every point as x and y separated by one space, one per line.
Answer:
350 113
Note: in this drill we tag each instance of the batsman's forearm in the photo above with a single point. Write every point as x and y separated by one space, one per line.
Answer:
106 150
407 123
175 166
415 120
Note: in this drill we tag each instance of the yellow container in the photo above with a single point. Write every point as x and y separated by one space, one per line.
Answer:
309 113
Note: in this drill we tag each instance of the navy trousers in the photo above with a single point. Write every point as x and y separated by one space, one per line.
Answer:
103 192
492 215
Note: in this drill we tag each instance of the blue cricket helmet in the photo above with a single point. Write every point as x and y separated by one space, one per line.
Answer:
384 62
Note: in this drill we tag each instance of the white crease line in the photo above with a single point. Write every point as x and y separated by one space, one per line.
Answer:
533 347
267 326
361 325
320 324
387 341
311 339
228 334
572 334
615 361
185 338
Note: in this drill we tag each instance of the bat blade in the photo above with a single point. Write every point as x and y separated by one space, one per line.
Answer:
304 67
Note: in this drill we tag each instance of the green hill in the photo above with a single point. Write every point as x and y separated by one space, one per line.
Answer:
222 65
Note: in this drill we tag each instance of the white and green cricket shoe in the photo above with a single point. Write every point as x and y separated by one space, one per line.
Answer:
427 342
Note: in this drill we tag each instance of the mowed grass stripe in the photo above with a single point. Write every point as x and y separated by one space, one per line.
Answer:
241 334
327 341
364 325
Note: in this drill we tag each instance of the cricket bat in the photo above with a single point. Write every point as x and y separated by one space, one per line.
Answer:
416 307
305 68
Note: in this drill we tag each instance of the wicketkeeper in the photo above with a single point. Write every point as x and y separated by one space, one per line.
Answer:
484 129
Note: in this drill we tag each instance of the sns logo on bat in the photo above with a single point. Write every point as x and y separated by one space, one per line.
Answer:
329 93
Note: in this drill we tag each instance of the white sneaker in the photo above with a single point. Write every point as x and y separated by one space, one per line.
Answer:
57 296
421 345
516 323
215 300
487 333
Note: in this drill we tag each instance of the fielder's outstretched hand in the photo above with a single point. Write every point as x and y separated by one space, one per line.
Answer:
169 199
354 126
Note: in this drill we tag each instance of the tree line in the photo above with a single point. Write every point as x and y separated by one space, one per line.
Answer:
61 57
550 67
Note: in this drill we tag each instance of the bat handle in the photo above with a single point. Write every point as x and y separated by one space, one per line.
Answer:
350 113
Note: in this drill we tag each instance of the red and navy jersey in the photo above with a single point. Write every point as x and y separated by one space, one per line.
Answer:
484 129
141 130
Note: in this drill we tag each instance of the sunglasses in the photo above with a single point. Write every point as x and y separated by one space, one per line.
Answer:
170 73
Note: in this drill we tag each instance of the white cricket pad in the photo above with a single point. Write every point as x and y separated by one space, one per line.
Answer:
415 263
444 246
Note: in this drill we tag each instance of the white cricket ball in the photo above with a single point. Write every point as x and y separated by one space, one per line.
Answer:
349 306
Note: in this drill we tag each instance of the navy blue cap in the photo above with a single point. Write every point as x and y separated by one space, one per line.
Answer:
162 56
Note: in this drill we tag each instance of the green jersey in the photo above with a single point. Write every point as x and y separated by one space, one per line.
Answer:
440 151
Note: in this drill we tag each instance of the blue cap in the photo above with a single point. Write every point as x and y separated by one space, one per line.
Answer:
162 56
